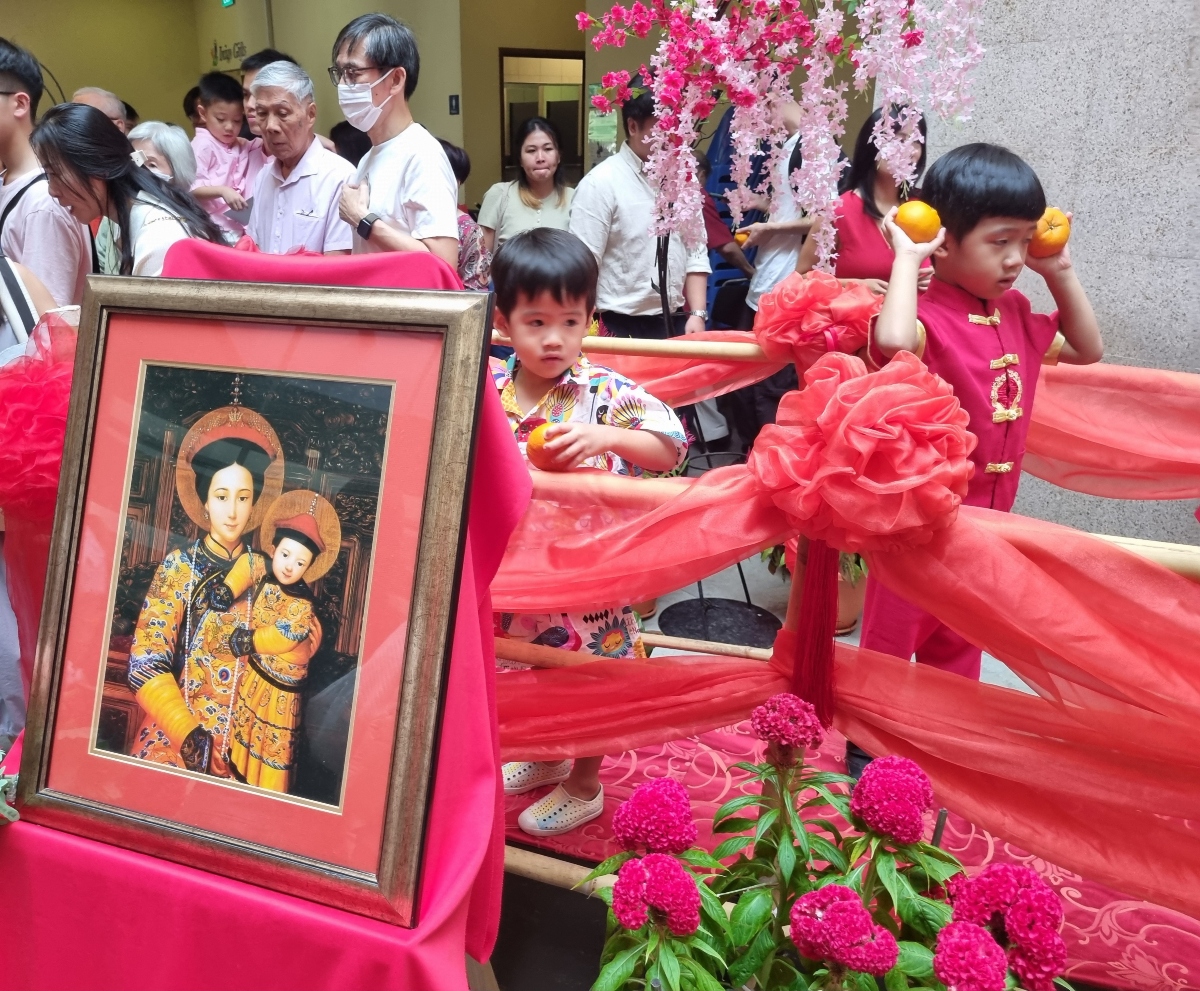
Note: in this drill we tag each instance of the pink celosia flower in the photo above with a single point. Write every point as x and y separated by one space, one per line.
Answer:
629 895
891 797
787 721
990 892
1034 910
968 959
1038 959
831 923
656 882
656 817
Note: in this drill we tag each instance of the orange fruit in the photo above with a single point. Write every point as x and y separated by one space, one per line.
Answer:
535 449
741 236
1053 231
919 221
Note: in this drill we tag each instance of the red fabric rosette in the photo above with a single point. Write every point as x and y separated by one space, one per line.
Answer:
858 463
867 462
35 391
806 316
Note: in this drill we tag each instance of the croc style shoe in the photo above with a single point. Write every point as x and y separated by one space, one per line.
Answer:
559 813
523 776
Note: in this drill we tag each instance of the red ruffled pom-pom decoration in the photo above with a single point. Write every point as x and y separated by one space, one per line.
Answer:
35 393
805 316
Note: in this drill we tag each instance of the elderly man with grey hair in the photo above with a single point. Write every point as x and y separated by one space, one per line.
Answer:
107 103
296 197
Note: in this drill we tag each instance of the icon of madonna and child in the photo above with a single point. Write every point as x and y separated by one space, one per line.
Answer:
243 655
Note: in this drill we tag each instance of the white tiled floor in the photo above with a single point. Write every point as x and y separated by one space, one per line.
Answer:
771 592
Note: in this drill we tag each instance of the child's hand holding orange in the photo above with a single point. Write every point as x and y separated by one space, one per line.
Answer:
1048 251
918 237
566 445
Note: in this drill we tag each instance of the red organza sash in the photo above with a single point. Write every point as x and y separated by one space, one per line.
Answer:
1108 430
1097 775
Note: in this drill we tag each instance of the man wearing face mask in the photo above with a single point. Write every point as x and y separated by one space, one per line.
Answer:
404 196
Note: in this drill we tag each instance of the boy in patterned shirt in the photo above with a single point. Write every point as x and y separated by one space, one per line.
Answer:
545 283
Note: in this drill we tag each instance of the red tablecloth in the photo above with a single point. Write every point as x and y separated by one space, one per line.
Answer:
77 913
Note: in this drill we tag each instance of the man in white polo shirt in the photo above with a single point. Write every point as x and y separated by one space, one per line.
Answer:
296 197
404 196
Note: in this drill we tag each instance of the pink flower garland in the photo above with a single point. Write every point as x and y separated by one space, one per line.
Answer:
749 49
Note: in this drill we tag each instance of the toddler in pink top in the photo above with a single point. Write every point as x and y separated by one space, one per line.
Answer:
223 159
981 335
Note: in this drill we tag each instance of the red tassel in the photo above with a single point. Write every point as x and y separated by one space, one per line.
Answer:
812 670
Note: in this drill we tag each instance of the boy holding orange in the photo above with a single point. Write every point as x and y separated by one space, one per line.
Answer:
980 334
566 412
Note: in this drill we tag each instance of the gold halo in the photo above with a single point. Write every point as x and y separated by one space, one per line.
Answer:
296 503
221 424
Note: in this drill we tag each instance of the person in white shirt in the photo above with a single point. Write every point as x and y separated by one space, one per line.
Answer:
296 197
34 230
404 196
611 213
93 173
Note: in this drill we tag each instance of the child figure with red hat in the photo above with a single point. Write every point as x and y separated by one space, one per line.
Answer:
282 635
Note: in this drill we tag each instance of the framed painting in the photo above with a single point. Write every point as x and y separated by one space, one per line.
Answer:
253 579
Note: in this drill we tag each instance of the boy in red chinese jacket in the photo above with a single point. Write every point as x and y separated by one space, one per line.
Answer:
978 333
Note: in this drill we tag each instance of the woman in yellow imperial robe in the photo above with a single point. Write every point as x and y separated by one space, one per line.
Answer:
229 471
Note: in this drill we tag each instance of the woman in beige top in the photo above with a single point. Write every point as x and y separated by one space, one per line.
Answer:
539 198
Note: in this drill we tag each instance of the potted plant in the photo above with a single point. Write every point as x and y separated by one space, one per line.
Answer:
828 888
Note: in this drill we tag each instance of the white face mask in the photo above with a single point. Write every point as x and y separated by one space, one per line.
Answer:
355 101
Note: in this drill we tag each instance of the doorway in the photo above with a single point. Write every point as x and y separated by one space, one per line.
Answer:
537 83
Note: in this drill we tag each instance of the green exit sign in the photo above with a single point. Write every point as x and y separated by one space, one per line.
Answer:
226 3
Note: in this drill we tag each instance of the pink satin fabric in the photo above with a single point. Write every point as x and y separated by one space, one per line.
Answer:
136 921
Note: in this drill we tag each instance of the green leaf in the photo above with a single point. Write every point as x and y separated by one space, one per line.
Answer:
730 846
785 977
742 969
858 981
735 825
916 960
822 849
894 980
669 964
604 894
765 822
737 804
786 857
712 908
751 912
707 949
704 980
608 866
701 858
827 778
618 970
885 870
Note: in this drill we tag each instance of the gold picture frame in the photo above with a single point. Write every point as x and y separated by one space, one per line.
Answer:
461 320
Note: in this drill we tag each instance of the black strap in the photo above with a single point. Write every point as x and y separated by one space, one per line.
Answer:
95 253
17 199
17 292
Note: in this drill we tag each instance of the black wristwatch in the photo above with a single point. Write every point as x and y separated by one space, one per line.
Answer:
365 225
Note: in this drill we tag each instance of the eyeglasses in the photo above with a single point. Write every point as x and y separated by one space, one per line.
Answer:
351 74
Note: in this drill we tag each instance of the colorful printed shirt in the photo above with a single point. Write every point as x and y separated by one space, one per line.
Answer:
474 259
587 393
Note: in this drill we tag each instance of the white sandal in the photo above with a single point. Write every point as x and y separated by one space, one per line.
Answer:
523 776
560 812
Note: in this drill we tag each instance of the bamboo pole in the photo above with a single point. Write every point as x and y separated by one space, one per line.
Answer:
706 647
1183 559
636 347
549 870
